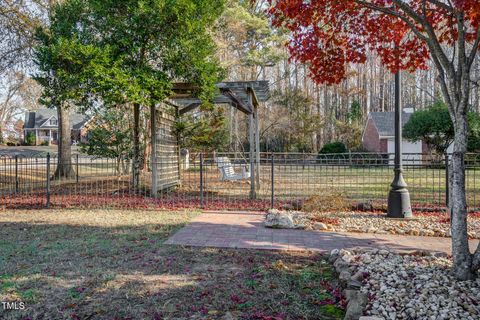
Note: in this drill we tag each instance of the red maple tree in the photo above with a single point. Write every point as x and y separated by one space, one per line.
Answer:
328 35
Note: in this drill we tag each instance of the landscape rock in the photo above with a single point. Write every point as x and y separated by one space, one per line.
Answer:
354 284
279 220
408 286
358 276
345 275
357 301
427 225
320 226
339 265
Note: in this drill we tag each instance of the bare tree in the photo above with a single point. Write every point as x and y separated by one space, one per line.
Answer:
18 93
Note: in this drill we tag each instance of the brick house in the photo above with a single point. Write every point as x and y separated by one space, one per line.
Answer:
379 135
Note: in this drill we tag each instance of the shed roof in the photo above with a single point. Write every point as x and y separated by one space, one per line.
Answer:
385 122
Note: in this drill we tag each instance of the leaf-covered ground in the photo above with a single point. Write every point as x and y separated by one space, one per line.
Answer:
71 264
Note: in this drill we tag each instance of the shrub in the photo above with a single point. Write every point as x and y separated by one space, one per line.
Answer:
334 147
30 139
12 143
334 152
327 201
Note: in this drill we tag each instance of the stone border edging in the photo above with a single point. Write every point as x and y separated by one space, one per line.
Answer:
356 300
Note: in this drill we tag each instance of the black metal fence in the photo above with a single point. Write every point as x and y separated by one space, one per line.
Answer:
206 181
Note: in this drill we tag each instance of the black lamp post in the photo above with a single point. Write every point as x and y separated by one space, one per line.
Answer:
398 197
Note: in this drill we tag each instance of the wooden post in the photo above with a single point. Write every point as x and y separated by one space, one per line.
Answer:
251 139
153 156
257 148
179 151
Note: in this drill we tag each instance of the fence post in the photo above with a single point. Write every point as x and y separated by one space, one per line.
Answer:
272 200
48 180
16 174
447 181
201 180
76 169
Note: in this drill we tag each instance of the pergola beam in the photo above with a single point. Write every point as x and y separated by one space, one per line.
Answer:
238 92
190 107
237 103
251 91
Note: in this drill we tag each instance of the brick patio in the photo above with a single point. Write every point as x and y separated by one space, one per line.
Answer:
245 230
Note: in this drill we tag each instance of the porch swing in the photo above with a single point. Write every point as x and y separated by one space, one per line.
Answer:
227 171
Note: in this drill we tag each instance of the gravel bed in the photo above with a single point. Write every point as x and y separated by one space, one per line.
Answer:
414 286
434 225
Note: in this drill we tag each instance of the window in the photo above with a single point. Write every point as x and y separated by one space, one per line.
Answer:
53 122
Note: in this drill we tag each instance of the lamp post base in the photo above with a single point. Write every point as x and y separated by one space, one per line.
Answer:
399 204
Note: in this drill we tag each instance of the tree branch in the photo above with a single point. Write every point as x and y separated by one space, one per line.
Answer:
473 53
432 40
442 5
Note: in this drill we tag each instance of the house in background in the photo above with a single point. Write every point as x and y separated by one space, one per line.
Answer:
43 123
379 133
379 136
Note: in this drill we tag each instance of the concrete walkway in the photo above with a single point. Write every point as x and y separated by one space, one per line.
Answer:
245 230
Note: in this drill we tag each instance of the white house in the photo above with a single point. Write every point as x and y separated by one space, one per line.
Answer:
43 123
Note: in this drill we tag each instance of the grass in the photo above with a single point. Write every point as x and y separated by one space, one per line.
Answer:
72 264
426 185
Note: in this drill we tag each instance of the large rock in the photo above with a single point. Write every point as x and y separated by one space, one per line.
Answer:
279 220
357 301
320 226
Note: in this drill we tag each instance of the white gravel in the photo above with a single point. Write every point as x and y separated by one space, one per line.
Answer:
413 286
421 225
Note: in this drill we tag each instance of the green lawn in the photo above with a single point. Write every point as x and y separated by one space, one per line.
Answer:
426 185
74 264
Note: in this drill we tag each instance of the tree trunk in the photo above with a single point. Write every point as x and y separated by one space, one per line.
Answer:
462 259
64 166
118 165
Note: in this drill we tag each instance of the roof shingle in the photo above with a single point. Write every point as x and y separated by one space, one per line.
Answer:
35 119
385 122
